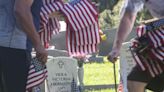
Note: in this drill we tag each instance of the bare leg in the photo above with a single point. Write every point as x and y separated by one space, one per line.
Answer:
134 86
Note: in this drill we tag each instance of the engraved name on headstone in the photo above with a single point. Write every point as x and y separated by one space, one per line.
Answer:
61 73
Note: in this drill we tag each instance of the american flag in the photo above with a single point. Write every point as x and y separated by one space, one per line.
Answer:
76 50
82 24
36 75
154 61
82 27
74 86
46 32
49 25
120 87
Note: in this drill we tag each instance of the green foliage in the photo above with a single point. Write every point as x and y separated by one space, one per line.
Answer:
110 18
143 15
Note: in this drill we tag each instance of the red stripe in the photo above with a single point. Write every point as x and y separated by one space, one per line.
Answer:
32 83
33 73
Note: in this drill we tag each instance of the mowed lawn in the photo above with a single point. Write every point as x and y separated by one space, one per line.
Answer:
99 74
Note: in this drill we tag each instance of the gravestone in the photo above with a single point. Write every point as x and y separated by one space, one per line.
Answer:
61 73
126 63
57 53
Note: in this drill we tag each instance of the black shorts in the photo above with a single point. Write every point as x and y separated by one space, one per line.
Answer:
14 66
155 84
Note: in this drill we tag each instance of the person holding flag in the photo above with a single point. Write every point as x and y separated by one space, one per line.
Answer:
148 47
16 21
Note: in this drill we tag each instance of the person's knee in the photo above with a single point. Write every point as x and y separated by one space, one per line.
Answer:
134 86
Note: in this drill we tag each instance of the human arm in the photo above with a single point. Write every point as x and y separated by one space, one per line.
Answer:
22 10
125 27
129 13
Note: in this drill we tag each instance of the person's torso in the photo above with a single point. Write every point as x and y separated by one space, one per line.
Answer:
35 9
10 33
156 7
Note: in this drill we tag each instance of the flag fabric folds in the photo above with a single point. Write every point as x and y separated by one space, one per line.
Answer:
36 75
148 51
82 24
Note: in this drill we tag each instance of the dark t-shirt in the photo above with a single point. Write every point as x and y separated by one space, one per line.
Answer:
35 9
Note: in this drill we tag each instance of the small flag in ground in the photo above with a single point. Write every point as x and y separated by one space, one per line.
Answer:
37 74
120 87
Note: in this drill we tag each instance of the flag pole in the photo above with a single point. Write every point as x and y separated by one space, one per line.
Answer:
115 79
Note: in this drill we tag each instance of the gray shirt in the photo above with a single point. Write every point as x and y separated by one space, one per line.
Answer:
10 33
156 7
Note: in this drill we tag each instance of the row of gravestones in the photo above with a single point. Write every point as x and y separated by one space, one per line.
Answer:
62 71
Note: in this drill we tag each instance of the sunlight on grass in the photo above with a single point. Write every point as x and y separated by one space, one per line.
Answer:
99 73
104 90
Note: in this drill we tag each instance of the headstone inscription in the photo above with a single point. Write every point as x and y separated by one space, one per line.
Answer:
62 71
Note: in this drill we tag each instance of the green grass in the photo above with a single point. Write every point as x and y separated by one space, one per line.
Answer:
99 74
103 90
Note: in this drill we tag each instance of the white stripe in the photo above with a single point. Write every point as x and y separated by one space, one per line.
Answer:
35 83
97 33
152 38
162 36
93 34
85 14
81 50
88 31
139 62
81 27
159 68
90 49
68 40
157 38
162 30
81 37
69 18
47 9
60 5
150 70
73 17
154 68
77 16
44 11
91 7
85 35
81 15
161 53
157 55
31 70
85 49
36 73
56 7
139 31
52 8
72 45
77 38
87 10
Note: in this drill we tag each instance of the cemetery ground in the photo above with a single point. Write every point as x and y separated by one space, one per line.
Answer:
98 75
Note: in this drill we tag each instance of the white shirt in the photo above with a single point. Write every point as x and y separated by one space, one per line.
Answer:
156 7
